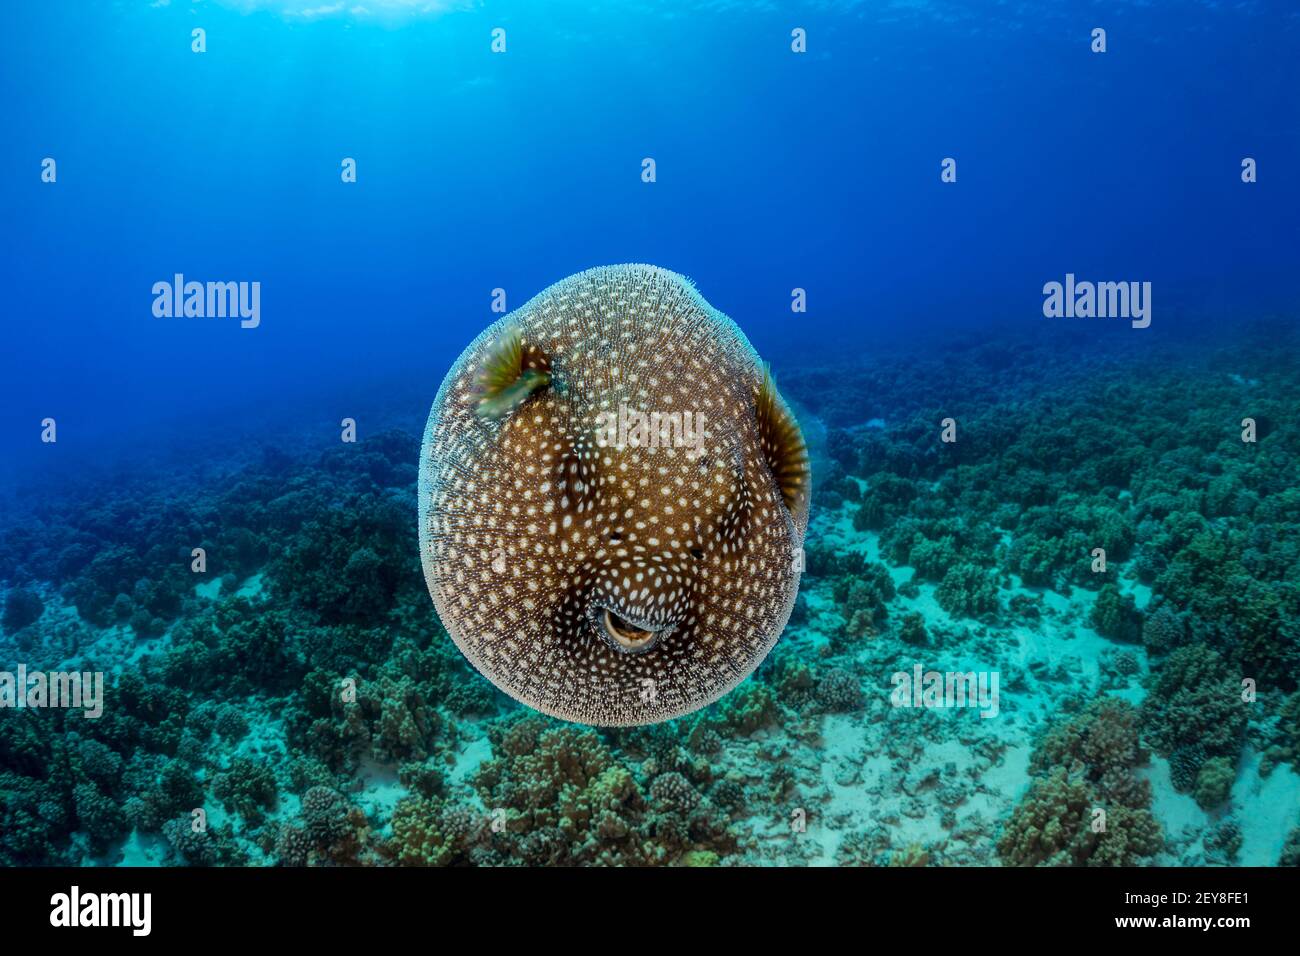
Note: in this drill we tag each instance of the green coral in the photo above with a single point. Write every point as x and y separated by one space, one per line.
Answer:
864 597
247 787
22 607
1115 615
1086 805
968 591
1195 700
1163 630
1290 855
911 630
563 797
1284 736
428 831
933 558
99 816
750 707
1101 744
1057 824
1214 782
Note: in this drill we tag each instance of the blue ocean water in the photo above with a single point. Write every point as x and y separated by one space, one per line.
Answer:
479 171
1168 159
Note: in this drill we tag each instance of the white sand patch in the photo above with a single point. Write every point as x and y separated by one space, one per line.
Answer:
1179 815
468 759
209 589
1141 593
1052 600
380 790
265 736
143 850
1009 777
1274 810
900 574
1068 646
251 587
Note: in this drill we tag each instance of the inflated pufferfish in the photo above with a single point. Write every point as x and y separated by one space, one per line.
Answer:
613 500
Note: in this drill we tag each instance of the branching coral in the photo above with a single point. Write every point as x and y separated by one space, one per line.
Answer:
672 792
1085 806
1101 744
99 816
1284 736
1185 765
247 788
1214 782
561 796
428 831
839 690
1059 823
1115 615
1223 841
195 846
328 830
967 591
791 677
1163 631
912 630
748 708
1195 700
22 607
864 598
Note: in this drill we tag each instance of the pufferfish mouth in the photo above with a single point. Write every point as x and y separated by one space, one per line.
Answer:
626 635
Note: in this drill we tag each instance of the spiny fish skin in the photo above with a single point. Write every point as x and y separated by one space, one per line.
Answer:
606 584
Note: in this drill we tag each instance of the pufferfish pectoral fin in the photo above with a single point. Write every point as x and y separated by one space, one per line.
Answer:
511 370
783 445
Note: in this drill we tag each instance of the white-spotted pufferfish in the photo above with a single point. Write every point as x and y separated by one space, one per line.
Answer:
613 500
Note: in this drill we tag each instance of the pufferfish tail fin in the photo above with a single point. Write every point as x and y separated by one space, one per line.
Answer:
783 444
511 371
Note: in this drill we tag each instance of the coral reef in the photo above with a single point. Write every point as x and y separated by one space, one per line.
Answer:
1291 849
967 590
1116 615
1284 736
1214 782
21 608
839 690
1086 805
1195 700
302 693
561 796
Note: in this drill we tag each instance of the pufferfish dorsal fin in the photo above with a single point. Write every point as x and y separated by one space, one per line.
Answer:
512 370
782 443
